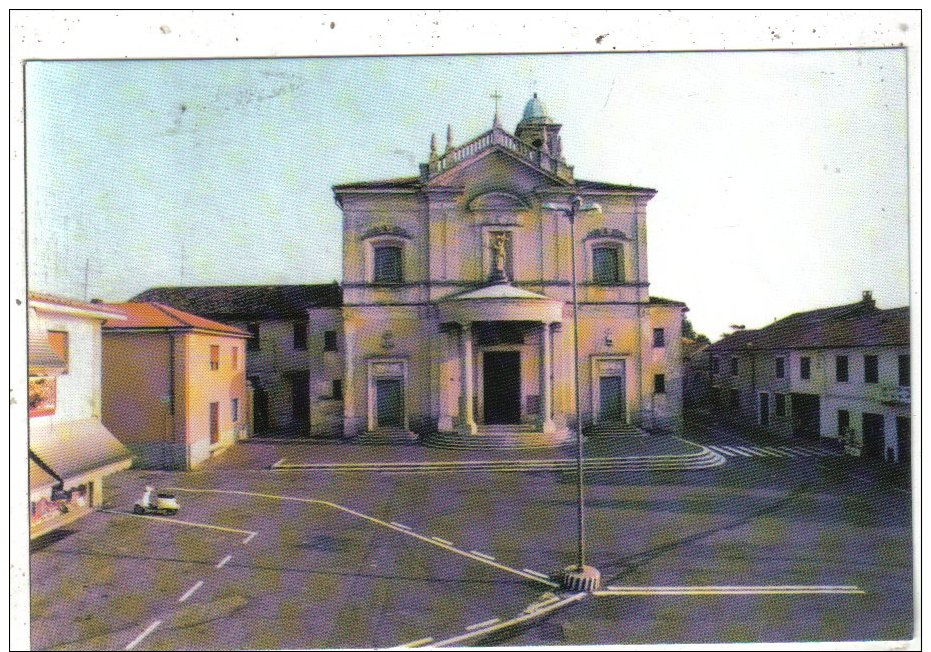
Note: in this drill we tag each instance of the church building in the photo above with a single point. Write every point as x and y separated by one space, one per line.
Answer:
456 321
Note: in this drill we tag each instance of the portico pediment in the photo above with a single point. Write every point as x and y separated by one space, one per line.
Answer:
500 302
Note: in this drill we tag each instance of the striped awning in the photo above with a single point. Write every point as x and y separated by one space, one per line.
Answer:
43 361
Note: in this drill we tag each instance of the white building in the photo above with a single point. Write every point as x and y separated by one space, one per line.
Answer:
70 450
841 372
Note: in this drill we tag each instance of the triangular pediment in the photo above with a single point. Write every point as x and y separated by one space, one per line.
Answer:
495 169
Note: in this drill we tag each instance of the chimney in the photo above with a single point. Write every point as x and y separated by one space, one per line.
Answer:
868 299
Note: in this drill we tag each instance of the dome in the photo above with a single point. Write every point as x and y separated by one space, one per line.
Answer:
535 110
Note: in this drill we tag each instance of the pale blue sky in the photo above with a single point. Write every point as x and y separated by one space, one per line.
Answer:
782 176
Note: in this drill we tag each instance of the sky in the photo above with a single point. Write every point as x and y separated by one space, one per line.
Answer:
781 176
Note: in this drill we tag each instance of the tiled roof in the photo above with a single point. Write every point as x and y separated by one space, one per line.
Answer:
238 302
156 315
853 325
65 302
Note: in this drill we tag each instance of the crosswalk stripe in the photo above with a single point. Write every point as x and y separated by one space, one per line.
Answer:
759 452
718 449
738 451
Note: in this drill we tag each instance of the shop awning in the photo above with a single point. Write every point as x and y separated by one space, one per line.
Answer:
39 479
74 448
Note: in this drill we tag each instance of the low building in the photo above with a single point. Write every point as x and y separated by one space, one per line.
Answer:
841 373
294 364
70 449
174 385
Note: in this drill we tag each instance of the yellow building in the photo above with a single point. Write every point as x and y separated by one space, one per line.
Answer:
174 385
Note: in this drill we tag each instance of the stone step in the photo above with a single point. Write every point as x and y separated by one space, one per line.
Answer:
496 439
388 437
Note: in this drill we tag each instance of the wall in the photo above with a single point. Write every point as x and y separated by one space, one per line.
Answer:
78 392
203 385
136 397
326 412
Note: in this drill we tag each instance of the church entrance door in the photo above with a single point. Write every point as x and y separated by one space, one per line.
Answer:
389 403
611 390
501 376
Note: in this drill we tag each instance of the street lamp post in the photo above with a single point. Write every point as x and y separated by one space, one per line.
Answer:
578 577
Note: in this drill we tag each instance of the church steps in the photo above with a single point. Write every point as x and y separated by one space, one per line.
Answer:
693 461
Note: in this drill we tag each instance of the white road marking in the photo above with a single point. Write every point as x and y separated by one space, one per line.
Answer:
730 590
371 519
815 451
538 574
223 561
482 555
401 525
457 640
718 449
148 630
443 541
482 624
249 538
798 451
737 451
419 642
175 521
191 591
278 463
778 452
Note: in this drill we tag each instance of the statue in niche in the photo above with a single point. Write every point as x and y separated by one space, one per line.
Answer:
499 248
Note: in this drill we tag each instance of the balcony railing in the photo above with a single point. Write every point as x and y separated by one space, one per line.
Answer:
498 136
890 394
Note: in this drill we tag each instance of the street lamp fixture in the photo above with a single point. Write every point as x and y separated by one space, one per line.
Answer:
579 576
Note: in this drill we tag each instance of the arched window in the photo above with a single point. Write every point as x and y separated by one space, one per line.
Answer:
607 264
387 267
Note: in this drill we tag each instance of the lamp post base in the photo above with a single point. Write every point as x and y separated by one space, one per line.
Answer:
586 578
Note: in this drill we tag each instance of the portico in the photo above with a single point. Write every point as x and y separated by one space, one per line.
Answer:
492 325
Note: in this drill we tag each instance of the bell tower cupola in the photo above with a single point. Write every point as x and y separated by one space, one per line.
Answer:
538 129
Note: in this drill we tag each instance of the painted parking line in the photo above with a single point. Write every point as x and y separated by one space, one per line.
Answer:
148 630
191 591
538 574
799 451
401 525
720 449
418 643
524 617
223 561
249 538
443 541
730 590
480 625
485 560
278 463
482 555
175 521
778 452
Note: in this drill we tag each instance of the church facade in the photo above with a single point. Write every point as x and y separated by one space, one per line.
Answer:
456 316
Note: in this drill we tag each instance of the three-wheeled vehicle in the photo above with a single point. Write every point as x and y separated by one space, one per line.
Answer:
153 502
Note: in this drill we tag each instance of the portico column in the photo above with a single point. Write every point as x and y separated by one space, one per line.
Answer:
468 416
548 425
